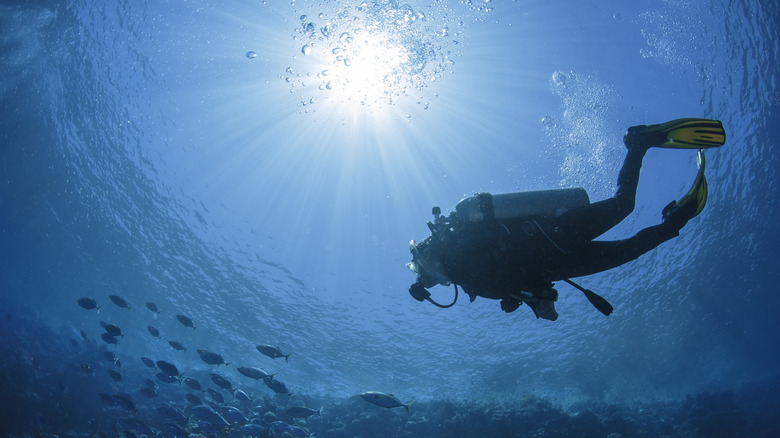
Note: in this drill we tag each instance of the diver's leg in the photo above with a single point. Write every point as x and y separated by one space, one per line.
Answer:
584 224
600 256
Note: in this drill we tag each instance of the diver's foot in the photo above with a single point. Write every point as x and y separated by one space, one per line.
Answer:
678 213
641 137
675 216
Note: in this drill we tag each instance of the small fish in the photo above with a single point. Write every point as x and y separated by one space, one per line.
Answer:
107 399
151 306
149 383
192 383
170 413
218 421
207 427
272 352
177 345
125 401
119 301
384 400
176 431
233 415
87 368
149 392
108 339
241 395
110 356
204 412
298 432
140 427
221 382
301 412
193 399
215 395
88 303
255 373
277 386
168 368
185 321
112 329
252 429
39 422
115 375
148 362
211 358
166 378
153 331
279 427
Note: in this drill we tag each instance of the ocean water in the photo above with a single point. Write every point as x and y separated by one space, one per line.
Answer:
260 167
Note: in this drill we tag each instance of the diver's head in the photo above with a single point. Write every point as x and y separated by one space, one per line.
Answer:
426 264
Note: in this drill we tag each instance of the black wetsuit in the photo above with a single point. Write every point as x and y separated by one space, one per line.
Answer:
499 258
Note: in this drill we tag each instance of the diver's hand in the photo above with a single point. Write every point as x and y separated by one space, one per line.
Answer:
509 305
544 309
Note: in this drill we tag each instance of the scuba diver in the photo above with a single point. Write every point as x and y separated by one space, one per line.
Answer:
512 247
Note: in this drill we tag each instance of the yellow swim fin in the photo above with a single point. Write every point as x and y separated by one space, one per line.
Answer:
678 213
687 133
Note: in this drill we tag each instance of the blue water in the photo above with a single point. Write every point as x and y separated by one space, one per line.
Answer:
262 166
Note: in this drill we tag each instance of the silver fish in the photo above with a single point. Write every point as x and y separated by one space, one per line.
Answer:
241 395
204 412
221 382
112 329
254 373
170 413
193 399
192 383
277 386
185 321
215 395
177 345
166 378
115 375
272 352
211 358
88 303
119 301
384 400
168 368
125 401
301 412
233 415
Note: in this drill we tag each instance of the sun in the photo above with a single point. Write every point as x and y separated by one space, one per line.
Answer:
369 71
368 56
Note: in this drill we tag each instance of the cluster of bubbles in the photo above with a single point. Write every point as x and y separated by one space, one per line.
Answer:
582 133
372 53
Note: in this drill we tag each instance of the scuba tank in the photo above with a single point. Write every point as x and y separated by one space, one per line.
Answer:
545 203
